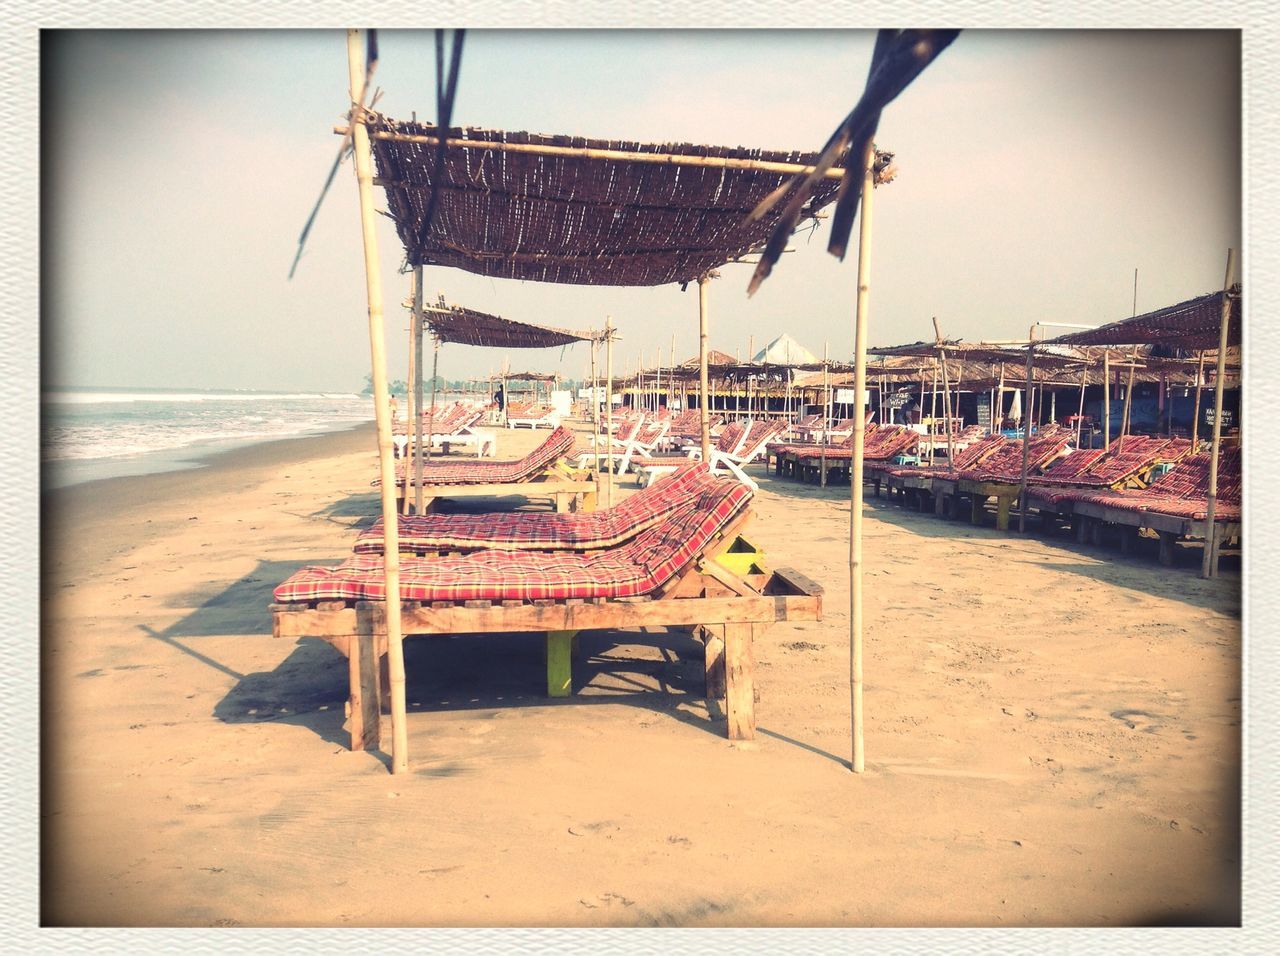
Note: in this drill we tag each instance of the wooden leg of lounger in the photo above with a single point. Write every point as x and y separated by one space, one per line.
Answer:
739 670
559 663
1003 503
713 638
1128 540
365 691
1168 541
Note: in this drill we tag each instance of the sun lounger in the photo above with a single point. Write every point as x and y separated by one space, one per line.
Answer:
880 443
540 474
1173 507
437 534
641 440
534 417
679 573
458 429
999 475
739 444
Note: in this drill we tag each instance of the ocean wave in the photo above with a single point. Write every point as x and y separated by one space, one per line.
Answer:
106 398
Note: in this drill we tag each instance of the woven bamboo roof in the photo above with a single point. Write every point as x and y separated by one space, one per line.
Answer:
522 205
1193 324
469 327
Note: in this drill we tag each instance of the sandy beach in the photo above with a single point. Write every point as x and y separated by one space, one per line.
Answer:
1053 733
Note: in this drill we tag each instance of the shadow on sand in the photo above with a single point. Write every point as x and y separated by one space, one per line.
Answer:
654 669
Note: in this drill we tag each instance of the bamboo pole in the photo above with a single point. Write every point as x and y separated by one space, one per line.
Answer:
826 410
417 391
382 411
855 468
946 393
1026 436
1209 564
671 379
703 387
431 421
933 405
1128 393
412 412
1084 380
1195 415
595 417
608 408
1106 399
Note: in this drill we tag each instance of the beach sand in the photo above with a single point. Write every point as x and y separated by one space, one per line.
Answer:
1052 733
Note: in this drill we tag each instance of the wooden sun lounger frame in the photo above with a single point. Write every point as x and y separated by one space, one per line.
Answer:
722 609
569 490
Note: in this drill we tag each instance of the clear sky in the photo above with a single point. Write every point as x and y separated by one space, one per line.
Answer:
1038 170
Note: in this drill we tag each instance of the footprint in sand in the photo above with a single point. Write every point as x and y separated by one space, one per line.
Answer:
1139 720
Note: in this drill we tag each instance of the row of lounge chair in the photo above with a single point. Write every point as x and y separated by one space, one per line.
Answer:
671 554
453 425
1140 485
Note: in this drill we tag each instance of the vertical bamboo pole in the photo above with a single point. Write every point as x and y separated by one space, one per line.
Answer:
1026 436
1106 398
412 411
671 379
826 410
855 468
608 408
703 387
933 406
946 393
382 410
1128 394
595 419
1195 415
417 391
1209 564
1084 380
431 421
999 419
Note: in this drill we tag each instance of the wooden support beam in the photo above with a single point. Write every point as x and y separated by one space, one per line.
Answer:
739 666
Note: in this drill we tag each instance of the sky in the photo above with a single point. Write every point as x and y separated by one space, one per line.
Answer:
1038 170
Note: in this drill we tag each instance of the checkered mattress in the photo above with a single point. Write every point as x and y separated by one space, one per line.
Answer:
1183 492
530 531
483 471
640 566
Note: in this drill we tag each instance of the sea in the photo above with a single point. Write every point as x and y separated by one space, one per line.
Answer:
92 433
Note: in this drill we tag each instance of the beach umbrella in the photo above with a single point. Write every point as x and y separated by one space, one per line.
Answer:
1015 408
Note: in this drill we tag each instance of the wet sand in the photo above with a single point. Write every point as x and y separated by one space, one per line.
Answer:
1053 733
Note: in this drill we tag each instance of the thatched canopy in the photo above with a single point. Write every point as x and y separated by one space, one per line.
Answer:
1193 324
576 210
469 327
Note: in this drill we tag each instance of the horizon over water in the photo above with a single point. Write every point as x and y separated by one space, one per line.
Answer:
88 433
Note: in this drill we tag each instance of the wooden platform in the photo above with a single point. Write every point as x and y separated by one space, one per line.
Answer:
721 617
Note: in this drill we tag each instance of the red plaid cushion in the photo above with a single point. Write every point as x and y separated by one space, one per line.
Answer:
642 565
528 531
1183 492
1005 463
482 471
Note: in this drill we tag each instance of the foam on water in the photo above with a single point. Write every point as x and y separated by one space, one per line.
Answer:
87 434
